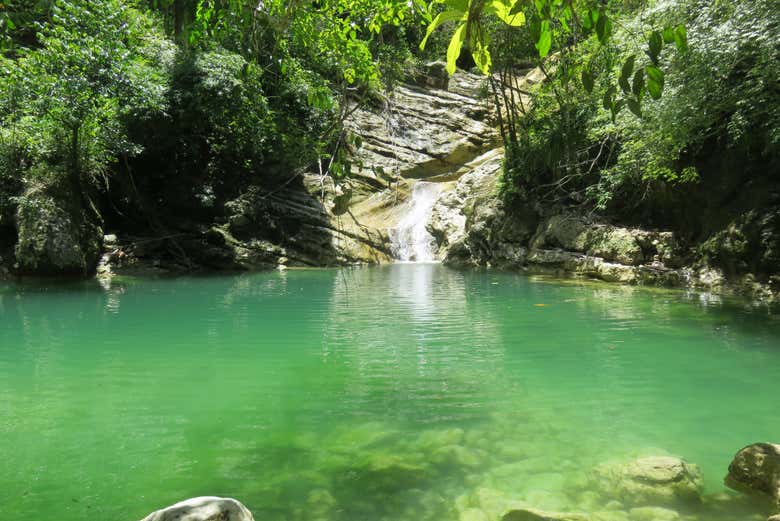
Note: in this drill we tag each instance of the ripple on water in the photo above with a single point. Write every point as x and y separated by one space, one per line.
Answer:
407 392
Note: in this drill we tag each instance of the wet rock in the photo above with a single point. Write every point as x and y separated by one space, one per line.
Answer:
207 508
655 481
54 238
530 514
382 474
756 469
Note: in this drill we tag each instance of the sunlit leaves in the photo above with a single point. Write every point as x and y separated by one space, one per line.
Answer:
544 43
453 50
468 17
655 81
681 38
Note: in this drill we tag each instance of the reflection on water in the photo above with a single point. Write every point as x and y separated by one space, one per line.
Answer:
407 392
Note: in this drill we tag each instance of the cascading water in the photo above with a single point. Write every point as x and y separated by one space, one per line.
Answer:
410 240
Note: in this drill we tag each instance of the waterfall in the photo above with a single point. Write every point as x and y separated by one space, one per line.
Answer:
410 240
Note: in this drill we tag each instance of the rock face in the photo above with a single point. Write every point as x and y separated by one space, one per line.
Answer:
425 132
432 128
756 468
53 239
655 481
207 508
474 227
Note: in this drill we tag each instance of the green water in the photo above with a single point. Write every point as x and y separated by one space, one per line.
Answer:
408 392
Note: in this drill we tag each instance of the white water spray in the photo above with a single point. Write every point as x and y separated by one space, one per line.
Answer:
410 240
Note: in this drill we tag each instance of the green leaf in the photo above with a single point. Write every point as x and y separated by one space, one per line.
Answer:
668 34
616 108
506 12
681 38
453 50
444 16
625 74
655 81
587 80
545 39
634 106
603 28
638 84
655 45
482 57
608 97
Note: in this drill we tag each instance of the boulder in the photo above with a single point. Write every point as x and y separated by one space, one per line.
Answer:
53 238
756 469
654 481
206 508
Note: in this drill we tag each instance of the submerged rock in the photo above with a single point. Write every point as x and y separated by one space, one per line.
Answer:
756 468
206 508
531 514
656 480
653 514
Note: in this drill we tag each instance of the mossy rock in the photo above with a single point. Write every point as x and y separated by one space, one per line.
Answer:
54 238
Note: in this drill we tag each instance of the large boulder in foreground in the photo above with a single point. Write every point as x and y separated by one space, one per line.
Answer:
206 508
655 480
53 238
756 468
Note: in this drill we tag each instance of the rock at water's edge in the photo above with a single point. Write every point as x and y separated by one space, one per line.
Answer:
54 238
206 508
756 468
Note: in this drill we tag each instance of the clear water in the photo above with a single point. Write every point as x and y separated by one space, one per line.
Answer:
407 392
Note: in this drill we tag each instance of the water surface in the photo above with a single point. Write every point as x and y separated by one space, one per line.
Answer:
408 392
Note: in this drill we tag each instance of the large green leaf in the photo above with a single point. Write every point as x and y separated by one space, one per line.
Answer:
634 106
603 28
655 81
506 12
609 96
544 43
681 38
482 57
453 50
445 16
638 84
655 45
587 80
625 74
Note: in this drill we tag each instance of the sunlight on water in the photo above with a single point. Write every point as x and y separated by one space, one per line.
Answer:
409 392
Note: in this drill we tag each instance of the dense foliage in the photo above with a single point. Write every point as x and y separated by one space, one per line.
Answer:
132 107
713 129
